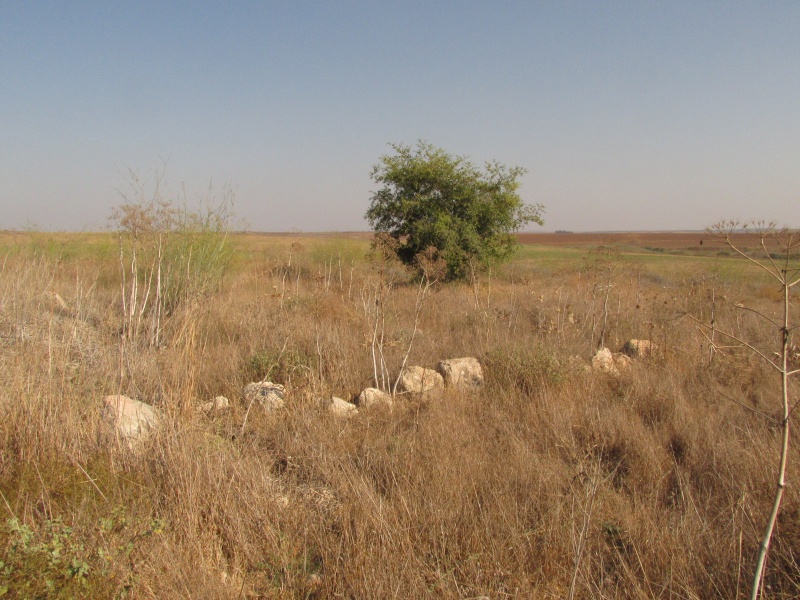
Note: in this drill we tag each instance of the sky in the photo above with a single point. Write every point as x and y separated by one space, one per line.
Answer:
627 115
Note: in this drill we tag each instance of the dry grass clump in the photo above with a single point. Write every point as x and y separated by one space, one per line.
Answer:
549 477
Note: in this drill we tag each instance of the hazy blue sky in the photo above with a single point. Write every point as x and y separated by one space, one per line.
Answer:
627 115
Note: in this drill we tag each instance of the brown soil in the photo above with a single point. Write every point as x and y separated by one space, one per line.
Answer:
667 240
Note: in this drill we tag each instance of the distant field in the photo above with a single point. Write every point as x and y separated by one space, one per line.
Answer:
661 239
699 242
662 250
667 240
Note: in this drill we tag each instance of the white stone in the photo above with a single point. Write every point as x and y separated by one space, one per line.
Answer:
419 380
217 404
373 397
342 408
607 362
267 394
132 421
461 372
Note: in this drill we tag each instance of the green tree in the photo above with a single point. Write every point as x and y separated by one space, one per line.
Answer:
431 199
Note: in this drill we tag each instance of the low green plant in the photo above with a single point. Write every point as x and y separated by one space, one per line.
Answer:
280 366
54 560
48 562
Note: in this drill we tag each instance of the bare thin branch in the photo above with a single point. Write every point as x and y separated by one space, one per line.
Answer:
88 477
8 506
767 254
750 408
791 410
754 311
738 339
716 346
752 260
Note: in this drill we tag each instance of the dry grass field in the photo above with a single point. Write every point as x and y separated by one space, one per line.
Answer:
549 480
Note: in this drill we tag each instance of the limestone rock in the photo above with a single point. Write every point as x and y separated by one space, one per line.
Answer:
341 408
373 397
131 420
607 362
638 348
281 500
267 394
319 496
603 361
419 380
622 361
461 372
219 403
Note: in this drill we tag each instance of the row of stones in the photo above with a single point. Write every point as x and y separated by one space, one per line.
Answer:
132 421
462 373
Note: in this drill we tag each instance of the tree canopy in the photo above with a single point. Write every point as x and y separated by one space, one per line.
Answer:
431 199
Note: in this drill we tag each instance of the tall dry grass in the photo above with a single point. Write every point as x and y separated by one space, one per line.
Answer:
650 485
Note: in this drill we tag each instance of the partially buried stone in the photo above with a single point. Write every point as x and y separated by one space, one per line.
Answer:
342 408
267 394
607 362
132 421
373 397
419 380
638 348
217 404
461 372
